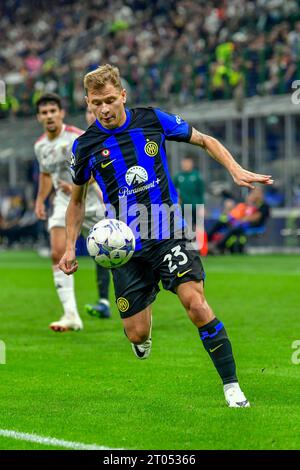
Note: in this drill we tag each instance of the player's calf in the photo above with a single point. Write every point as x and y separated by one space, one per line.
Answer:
217 344
192 298
215 341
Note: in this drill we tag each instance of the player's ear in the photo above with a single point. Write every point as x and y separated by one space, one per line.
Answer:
62 113
86 100
124 95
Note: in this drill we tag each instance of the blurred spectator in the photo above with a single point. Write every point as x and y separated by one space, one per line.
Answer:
178 50
190 187
17 219
237 220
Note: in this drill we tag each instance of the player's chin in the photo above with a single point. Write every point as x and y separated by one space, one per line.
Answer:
109 123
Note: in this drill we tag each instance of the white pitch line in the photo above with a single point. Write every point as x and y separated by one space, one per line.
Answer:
50 441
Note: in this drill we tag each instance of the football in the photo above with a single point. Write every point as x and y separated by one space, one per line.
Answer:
111 243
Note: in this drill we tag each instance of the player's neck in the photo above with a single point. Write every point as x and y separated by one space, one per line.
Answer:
121 122
54 134
123 119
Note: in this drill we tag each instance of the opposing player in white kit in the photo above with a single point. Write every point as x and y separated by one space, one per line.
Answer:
53 151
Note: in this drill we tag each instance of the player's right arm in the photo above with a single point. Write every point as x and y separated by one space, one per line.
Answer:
74 218
45 187
175 128
216 150
81 175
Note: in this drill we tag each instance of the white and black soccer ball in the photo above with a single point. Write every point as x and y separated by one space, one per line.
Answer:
111 243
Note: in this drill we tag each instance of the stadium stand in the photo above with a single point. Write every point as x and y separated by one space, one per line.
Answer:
178 51
180 54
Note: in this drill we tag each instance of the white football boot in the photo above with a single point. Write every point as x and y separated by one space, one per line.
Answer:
66 323
142 351
234 396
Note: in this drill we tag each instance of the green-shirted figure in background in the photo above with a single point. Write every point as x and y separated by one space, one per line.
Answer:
190 186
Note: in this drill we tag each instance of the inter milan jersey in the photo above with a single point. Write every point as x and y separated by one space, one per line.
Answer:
130 165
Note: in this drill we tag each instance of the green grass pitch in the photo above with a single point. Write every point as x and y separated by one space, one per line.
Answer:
88 387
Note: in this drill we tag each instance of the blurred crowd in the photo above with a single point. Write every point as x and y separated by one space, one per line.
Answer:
167 50
19 225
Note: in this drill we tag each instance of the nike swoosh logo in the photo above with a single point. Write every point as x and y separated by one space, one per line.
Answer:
105 164
139 353
182 274
217 347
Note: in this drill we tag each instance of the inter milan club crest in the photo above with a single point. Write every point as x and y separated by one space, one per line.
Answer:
151 148
105 153
123 304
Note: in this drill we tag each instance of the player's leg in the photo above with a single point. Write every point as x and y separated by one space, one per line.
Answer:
215 339
64 284
102 308
181 271
138 328
135 291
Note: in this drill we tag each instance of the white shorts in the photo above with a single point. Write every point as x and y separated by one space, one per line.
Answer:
58 217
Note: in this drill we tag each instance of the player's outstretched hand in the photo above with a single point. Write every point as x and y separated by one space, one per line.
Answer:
68 263
244 177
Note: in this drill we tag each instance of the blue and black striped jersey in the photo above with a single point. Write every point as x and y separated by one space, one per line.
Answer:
130 163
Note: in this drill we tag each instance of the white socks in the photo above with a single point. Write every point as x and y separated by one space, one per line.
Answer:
64 285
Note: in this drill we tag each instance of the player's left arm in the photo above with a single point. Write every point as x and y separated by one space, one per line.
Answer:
217 151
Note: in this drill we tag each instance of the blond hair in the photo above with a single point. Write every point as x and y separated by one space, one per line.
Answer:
97 79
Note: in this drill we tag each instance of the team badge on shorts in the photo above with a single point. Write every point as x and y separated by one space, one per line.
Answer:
151 148
123 304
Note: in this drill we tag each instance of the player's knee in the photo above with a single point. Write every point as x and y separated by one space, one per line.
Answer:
193 298
137 335
198 308
197 303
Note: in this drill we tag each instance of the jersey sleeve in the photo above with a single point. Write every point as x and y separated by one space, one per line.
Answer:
80 168
174 127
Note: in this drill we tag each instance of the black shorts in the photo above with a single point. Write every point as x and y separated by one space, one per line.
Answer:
136 283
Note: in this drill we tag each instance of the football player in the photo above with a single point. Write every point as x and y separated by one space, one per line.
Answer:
125 152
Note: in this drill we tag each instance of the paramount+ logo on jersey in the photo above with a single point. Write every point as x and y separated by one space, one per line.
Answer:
135 177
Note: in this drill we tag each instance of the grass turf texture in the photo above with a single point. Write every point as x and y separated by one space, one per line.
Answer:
88 386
